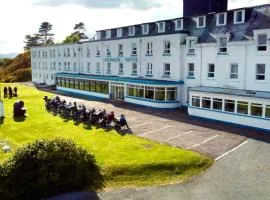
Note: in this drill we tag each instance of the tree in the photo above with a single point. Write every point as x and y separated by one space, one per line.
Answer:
44 33
47 168
31 41
78 34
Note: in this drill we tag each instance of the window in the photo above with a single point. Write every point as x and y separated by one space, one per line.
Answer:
191 47
161 27
167 47
267 111
98 67
98 51
262 42
134 49
178 24
234 71
196 101
206 102
149 50
171 94
87 85
242 107
74 53
191 70
223 45
260 72
229 105
121 69
109 68
139 91
131 30
167 70
145 29
239 17
149 92
201 22
81 84
108 33
88 67
149 71
211 71
256 110
119 32
108 51
120 50
88 52
134 69
160 94
74 66
217 104
131 90
221 19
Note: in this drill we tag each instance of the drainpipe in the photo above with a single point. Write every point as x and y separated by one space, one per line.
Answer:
245 67
140 58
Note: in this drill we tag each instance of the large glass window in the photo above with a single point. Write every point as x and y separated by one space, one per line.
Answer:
93 86
242 107
67 85
139 91
76 84
217 104
58 82
256 110
196 101
160 94
260 72
267 111
262 42
131 90
149 92
229 105
171 94
206 102
87 85
71 83
81 84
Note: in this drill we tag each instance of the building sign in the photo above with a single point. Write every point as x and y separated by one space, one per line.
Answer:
127 59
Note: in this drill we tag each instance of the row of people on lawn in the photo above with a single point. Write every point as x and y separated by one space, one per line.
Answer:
9 92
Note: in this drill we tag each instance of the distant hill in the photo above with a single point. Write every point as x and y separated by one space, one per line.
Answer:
17 69
9 55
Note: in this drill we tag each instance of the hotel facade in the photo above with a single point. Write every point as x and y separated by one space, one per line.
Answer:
214 61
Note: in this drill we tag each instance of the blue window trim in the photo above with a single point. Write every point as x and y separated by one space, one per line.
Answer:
230 113
120 79
150 100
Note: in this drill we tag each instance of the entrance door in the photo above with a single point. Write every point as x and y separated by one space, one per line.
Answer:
117 92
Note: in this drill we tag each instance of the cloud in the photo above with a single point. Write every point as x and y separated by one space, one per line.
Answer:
132 4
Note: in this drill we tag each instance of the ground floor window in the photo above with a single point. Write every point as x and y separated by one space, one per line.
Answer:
229 105
242 107
267 111
217 104
171 94
196 101
81 84
149 92
256 109
206 102
160 94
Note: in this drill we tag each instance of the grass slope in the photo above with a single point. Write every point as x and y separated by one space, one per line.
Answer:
125 160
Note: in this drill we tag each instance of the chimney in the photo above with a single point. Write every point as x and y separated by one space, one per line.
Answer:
202 7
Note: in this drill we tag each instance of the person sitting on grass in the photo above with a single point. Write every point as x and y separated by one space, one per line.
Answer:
123 121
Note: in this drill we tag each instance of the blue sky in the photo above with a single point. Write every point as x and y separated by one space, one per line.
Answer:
21 17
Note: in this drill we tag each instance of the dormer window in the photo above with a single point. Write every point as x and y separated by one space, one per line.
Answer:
222 43
262 42
221 19
178 24
108 34
131 30
145 29
201 22
191 45
119 32
161 27
239 16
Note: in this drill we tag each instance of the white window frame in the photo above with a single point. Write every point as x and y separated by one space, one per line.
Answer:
108 51
119 32
108 34
109 68
167 47
134 70
208 71
198 22
145 29
166 72
97 51
191 51
98 71
236 74
222 47
88 67
191 73
235 17
149 70
218 17
260 74
149 48
177 28
120 50
261 45
131 30
134 49
121 69
161 27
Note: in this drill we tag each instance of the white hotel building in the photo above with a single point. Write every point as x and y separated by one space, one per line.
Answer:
215 62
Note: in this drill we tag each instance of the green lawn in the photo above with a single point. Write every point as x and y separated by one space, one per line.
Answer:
125 160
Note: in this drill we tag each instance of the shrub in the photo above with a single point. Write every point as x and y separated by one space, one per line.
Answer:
47 168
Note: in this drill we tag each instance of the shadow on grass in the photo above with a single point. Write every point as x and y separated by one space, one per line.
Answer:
19 119
2 120
76 196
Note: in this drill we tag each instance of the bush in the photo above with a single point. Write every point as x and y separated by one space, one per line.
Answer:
47 168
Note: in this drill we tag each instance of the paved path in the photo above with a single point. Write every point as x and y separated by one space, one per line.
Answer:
244 174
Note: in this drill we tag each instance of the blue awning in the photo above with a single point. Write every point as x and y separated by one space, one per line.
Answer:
119 79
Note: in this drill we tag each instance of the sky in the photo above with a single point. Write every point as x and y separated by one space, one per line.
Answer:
21 17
